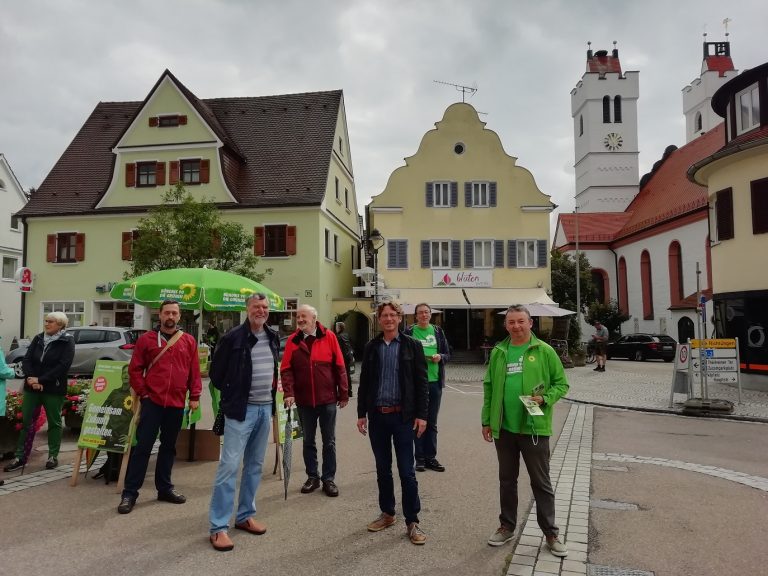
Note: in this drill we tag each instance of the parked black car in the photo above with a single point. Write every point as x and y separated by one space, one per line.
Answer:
643 347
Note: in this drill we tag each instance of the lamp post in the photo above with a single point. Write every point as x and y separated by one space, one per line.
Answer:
375 241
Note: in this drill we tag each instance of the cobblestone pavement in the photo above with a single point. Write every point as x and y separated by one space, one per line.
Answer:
625 384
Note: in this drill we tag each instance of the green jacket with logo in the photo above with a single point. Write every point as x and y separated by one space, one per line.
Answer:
541 364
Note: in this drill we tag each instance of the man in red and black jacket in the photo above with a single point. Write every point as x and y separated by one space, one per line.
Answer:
164 367
315 379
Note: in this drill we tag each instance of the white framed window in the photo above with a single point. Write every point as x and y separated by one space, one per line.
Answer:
480 194
10 265
526 253
442 194
15 223
440 254
336 248
73 310
327 251
747 109
483 253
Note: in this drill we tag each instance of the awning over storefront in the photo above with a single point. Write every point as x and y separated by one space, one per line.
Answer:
475 297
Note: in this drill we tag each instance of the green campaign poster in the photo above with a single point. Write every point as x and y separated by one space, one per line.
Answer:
109 410
282 417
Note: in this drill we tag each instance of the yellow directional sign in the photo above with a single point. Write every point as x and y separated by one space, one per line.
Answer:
714 343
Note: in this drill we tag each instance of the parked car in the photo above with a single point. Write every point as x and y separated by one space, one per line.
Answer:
92 343
643 347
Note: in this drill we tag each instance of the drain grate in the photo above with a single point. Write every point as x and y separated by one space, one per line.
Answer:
597 570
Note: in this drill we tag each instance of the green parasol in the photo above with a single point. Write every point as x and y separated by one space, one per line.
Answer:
194 288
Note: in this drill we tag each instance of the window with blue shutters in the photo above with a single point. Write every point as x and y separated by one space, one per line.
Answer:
441 194
454 194
527 253
480 194
397 254
455 254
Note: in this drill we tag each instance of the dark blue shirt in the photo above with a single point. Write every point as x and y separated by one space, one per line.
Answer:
389 383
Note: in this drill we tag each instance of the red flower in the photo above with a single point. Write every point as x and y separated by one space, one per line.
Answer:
18 426
447 279
19 415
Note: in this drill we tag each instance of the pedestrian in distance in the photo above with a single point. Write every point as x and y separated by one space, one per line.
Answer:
244 369
600 339
163 370
45 364
315 379
437 353
392 403
346 349
521 365
6 372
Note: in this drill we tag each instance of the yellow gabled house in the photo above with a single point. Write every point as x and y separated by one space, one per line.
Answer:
279 165
464 229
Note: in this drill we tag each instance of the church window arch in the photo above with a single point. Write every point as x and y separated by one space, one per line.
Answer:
646 282
617 109
697 122
606 110
676 288
623 288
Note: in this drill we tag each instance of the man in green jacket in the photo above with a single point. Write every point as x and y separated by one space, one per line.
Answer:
523 366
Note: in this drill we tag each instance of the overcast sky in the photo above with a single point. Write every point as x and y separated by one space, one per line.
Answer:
59 58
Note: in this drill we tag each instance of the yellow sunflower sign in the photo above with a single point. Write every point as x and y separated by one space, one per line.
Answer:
109 411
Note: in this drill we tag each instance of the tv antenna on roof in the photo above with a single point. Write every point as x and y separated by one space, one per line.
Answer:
463 89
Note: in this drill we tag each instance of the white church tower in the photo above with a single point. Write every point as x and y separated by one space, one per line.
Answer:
604 111
716 69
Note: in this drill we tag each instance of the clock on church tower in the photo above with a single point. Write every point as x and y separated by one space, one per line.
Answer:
613 141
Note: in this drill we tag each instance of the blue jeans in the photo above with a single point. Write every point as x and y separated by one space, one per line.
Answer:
386 430
326 415
426 446
153 418
246 441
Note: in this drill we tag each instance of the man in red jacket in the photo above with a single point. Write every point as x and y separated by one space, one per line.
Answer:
314 377
163 368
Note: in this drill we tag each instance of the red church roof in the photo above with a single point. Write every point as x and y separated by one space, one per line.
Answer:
668 193
719 64
601 62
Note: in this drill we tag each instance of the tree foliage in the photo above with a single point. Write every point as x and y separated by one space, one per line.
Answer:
609 315
184 233
564 288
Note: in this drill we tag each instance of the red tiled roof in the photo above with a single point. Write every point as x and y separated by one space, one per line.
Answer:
594 227
719 64
668 193
690 302
602 62
280 155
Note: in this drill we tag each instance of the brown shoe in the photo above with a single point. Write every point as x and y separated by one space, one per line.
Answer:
383 521
252 526
221 542
415 534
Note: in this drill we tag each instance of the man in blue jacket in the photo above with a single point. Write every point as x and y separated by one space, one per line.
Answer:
437 353
244 368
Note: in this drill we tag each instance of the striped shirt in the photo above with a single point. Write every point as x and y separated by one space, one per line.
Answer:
389 383
262 367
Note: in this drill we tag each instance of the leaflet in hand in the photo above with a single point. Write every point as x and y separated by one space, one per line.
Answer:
531 405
